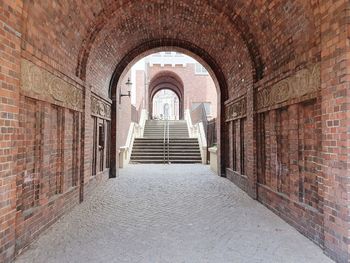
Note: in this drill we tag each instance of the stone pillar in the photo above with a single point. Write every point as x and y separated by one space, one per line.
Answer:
335 79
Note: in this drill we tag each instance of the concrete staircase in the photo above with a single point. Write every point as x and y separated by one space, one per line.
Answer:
156 148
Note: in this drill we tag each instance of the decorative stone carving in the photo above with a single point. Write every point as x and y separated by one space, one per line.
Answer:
304 82
236 110
43 83
100 108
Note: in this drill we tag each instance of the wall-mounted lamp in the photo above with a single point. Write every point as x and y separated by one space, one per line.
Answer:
128 84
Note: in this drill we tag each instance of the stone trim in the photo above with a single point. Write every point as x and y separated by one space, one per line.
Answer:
40 84
303 82
236 110
100 108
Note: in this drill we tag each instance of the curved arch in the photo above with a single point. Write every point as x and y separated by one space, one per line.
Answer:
180 100
159 45
168 73
181 46
166 80
243 29
166 85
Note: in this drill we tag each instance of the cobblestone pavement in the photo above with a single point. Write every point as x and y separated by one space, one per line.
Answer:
177 213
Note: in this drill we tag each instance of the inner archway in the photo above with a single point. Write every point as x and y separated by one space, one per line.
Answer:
165 104
166 80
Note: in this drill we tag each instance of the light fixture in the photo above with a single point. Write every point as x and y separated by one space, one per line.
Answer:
128 84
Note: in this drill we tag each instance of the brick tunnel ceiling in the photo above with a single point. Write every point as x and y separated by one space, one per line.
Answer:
247 38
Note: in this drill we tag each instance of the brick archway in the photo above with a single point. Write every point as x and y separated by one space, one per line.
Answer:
166 80
179 46
282 76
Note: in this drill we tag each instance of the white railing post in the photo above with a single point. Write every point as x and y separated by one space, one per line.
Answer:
142 122
202 142
191 129
197 131
135 131
214 159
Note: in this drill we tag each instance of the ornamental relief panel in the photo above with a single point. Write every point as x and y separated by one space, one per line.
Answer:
236 110
43 83
100 108
304 82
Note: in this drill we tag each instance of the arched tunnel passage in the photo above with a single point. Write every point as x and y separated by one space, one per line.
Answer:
170 81
281 72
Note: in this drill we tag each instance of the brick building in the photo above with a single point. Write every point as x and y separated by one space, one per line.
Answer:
281 70
198 86
182 75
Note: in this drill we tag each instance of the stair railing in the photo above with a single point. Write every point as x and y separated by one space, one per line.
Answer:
168 142
164 134
200 120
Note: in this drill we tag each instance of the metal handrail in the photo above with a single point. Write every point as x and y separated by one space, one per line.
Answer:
168 143
164 127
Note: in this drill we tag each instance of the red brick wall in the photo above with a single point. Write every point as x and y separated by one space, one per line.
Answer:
124 115
140 88
303 176
10 27
335 126
124 122
71 150
289 179
49 162
31 154
103 56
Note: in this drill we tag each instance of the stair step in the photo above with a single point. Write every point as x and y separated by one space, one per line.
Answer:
161 153
177 137
172 140
174 148
156 131
166 143
162 158
154 139
145 144
162 161
170 153
152 147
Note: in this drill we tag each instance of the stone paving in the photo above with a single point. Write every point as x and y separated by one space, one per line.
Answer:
176 213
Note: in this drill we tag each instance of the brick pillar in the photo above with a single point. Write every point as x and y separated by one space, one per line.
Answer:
86 134
293 135
250 138
230 147
273 149
335 78
223 147
114 151
10 40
